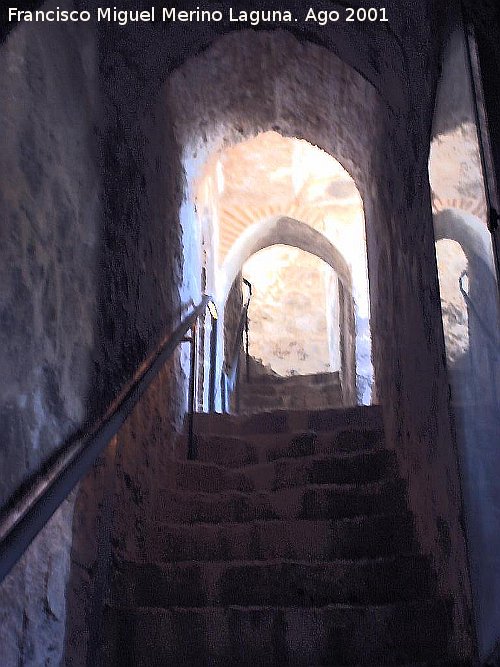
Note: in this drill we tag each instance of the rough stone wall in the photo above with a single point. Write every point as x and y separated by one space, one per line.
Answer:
49 198
91 279
347 328
117 508
142 296
409 357
140 278
288 323
486 21
485 17
473 348
49 231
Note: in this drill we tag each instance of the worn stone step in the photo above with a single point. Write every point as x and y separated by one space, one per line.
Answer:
251 404
281 583
336 502
328 501
289 421
280 388
270 636
317 469
210 478
224 450
358 537
271 392
263 391
309 379
359 468
235 452
291 386
308 443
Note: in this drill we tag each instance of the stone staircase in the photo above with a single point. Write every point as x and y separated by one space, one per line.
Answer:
297 392
287 542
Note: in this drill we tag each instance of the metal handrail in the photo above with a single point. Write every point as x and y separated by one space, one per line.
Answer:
36 502
230 370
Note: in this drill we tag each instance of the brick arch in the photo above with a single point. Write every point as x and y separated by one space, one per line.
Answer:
473 237
285 231
469 205
467 230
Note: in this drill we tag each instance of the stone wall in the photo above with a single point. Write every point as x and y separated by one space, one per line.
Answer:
471 324
49 217
288 319
91 279
50 203
144 293
117 508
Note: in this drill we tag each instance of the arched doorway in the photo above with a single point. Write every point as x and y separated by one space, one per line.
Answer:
298 235
272 189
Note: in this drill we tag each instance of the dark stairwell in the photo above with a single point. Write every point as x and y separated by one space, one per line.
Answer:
288 542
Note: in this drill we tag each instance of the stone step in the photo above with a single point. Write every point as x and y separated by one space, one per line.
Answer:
275 583
256 404
308 392
359 468
328 501
281 473
358 537
303 400
308 380
210 478
269 636
239 451
280 388
306 444
290 421
267 390
251 403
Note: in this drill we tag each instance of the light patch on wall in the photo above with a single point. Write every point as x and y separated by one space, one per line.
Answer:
288 321
452 263
220 178
455 171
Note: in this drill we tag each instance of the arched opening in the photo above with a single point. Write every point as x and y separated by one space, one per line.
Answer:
272 189
204 137
468 296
